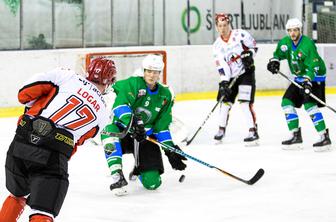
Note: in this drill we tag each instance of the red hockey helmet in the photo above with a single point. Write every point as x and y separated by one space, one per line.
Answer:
102 71
222 17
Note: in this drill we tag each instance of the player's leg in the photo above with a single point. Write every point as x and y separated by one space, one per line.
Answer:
40 218
316 116
49 186
17 184
12 208
113 154
150 165
246 94
291 100
224 110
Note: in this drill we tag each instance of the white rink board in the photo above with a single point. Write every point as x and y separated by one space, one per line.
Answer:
189 69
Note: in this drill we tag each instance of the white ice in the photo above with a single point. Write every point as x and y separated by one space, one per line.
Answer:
298 186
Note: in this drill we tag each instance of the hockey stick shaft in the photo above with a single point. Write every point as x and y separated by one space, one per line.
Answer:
212 110
310 94
252 181
123 133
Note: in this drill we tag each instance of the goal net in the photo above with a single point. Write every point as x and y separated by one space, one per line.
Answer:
129 63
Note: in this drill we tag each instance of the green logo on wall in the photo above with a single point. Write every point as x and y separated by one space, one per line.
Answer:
184 19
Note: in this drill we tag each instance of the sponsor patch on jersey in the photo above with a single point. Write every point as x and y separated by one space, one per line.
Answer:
141 92
300 54
283 48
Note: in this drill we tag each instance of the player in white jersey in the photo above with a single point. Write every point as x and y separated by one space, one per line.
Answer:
62 111
233 52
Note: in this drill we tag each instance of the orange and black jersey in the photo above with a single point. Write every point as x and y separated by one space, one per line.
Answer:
69 100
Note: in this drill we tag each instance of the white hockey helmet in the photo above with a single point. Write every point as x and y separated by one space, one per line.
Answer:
153 62
294 23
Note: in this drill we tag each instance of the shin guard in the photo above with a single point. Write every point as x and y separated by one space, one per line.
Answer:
12 209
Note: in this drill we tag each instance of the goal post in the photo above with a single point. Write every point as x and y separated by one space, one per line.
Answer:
127 62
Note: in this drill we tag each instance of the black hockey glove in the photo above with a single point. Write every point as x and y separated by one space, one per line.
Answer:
273 66
139 132
175 159
224 89
247 59
307 86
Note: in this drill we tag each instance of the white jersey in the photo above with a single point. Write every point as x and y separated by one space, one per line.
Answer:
227 53
69 100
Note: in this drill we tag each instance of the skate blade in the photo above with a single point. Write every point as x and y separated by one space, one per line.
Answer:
296 146
119 192
252 143
320 149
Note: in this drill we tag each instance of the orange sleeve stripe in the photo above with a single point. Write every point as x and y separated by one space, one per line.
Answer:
42 102
34 91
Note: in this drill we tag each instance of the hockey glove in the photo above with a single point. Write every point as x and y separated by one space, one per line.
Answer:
273 66
247 59
224 89
307 86
139 132
175 159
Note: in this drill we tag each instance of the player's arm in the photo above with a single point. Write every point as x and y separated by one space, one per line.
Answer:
41 87
126 96
249 46
280 53
222 66
162 133
248 42
312 62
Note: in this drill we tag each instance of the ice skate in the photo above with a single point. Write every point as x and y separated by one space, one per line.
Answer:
253 138
118 186
324 144
294 143
220 134
133 175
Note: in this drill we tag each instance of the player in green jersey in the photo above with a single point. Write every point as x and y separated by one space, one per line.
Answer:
146 105
309 70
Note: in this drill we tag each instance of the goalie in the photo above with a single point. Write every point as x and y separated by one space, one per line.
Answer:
143 105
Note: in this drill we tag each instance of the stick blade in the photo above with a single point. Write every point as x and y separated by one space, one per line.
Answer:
256 177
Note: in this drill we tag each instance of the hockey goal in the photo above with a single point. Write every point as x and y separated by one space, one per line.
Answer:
129 63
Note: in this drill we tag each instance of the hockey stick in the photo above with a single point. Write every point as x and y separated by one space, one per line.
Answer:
122 134
252 181
212 110
310 94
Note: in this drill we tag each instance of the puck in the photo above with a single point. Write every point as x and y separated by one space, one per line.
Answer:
182 177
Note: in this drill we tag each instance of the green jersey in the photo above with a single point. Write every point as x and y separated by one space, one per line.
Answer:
154 106
303 58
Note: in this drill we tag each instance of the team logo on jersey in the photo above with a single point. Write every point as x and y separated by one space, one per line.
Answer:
283 48
141 92
157 109
300 54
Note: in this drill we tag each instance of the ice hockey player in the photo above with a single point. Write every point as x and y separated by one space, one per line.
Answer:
233 51
146 105
62 111
309 70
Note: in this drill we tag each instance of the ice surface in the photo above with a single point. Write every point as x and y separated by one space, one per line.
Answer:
298 186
